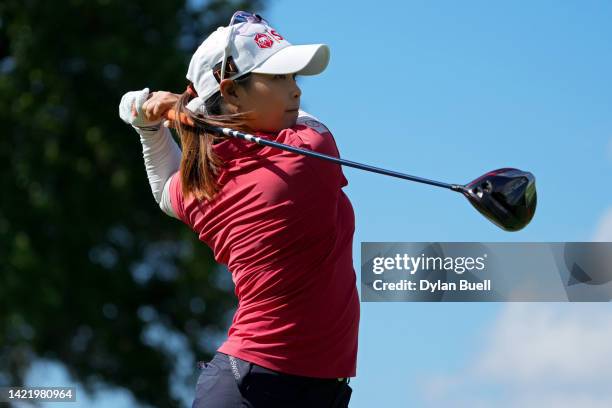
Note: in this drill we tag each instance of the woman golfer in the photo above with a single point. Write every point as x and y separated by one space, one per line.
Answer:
279 220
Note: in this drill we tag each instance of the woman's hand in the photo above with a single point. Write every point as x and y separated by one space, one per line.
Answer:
157 105
143 109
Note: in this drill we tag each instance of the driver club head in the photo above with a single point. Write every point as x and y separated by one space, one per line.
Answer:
506 196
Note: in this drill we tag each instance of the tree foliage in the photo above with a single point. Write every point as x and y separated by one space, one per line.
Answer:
89 265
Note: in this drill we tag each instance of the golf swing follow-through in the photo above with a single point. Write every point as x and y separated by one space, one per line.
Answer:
506 196
280 222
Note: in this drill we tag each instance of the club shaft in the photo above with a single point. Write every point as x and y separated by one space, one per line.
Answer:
306 152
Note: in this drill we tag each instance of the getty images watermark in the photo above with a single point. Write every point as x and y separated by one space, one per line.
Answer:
413 264
499 271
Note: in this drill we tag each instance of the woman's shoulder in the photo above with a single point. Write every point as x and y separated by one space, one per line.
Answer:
312 134
306 119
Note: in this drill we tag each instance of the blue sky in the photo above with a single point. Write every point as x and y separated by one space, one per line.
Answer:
449 90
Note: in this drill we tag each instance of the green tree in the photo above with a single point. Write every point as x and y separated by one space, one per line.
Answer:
88 262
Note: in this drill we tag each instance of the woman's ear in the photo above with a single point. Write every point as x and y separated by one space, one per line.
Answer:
230 96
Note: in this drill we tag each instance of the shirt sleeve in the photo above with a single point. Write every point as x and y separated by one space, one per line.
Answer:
312 134
177 201
166 203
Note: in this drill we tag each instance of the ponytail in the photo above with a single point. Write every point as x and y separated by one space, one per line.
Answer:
200 166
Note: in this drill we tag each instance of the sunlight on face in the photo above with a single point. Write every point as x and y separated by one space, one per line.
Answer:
274 98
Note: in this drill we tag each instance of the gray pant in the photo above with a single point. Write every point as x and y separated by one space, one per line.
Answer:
230 382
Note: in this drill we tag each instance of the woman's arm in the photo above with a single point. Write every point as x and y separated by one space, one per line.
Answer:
162 157
165 204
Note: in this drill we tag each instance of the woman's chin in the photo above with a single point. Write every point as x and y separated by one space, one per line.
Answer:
292 117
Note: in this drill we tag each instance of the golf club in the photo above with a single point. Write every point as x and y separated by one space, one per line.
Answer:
506 196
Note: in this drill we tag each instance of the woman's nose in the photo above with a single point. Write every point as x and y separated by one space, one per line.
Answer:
297 92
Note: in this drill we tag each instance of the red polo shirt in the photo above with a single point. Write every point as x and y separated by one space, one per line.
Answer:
284 228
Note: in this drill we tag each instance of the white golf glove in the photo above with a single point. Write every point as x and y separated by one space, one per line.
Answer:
136 98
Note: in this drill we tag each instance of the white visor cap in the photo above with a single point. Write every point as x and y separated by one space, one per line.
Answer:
255 47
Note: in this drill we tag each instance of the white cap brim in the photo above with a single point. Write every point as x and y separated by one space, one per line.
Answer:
306 59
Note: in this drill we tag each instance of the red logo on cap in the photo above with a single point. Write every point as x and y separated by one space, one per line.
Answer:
276 35
263 40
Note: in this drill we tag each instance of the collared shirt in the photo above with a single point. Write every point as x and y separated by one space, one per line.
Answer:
284 227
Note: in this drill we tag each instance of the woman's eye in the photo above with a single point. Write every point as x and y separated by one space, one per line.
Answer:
284 76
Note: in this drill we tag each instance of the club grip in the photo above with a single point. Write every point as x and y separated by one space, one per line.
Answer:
184 119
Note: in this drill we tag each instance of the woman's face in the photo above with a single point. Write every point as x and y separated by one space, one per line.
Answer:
274 98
